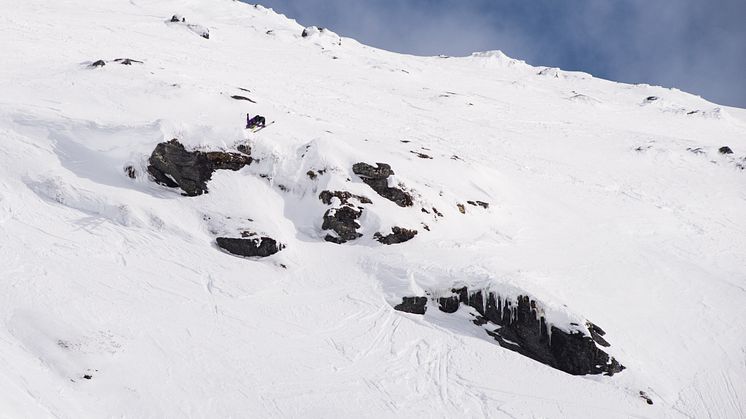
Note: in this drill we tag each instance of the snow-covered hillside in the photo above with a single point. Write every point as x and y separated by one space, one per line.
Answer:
591 202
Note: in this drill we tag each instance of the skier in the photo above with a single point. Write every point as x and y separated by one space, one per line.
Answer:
257 121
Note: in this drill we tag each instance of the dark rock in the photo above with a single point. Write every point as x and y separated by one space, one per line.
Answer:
645 397
484 205
725 150
127 61
364 170
131 172
87 376
306 33
692 112
227 161
250 247
343 196
461 208
175 18
651 98
342 221
523 330
173 166
239 97
449 304
244 148
696 150
99 63
312 175
421 155
414 305
377 179
597 335
398 235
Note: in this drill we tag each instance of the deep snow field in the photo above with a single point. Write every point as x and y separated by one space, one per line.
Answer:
115 300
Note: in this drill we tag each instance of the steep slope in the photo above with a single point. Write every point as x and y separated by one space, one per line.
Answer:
608 203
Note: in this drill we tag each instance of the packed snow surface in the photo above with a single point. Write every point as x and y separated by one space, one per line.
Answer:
608 202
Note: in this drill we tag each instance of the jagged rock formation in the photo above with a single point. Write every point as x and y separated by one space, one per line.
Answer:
725 150
524 329
377 179
398 235
250 247
172 165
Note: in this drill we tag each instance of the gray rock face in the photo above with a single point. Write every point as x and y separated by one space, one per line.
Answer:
398 235
725 150
250 247
172 165
377 179
522 329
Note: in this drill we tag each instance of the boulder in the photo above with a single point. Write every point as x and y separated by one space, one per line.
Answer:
343 221
172 165
377 179
250 247
398 235
725 150
99 63
414 305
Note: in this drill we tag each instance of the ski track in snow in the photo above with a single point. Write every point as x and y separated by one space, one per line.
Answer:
599 207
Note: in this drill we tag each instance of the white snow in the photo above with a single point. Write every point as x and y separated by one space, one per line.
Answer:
597 209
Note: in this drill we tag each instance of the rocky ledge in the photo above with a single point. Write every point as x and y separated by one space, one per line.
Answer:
253 246
172 165
378 179
518 324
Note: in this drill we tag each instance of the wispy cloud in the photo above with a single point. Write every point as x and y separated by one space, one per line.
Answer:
693 45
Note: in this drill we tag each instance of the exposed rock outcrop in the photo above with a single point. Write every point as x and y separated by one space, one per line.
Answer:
343 196
127 61
482 204
524 329
342 221
398 235
250 247
414 305
377 179
172 165
725 150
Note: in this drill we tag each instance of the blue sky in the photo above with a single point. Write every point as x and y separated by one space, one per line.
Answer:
696 45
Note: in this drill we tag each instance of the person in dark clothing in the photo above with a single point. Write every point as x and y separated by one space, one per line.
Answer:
257 121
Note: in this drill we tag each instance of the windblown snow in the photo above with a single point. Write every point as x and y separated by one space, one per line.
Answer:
607 203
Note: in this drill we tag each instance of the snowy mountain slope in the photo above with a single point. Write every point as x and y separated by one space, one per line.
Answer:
604 205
